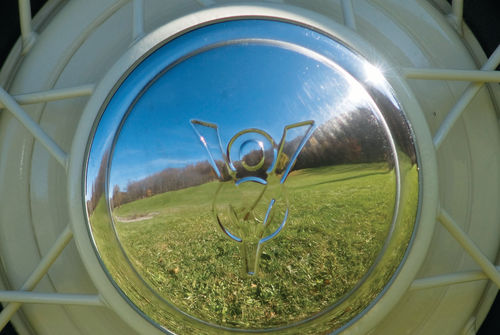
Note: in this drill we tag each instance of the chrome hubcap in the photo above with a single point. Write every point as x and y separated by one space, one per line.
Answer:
252 175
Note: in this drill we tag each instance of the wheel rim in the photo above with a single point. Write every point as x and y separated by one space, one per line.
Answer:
408 101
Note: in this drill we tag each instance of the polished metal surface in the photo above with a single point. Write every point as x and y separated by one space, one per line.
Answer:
252 175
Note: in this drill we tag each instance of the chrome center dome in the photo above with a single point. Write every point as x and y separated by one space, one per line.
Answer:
252 175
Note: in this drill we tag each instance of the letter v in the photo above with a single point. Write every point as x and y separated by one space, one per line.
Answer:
295 136
208 133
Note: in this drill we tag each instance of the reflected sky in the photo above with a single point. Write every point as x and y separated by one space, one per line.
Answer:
228 79
237 86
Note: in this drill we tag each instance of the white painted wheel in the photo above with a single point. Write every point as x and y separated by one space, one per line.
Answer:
73 54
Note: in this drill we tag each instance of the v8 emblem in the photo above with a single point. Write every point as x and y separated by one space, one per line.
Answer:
250 204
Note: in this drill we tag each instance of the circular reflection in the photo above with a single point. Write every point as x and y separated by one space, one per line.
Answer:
256 181
252 154
247 151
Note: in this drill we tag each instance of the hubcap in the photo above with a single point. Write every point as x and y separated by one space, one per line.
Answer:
251 175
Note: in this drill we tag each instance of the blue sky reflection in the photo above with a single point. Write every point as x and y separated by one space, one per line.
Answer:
236 86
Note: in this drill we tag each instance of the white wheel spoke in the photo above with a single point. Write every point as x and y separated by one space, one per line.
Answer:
38 273
348 12
464 101
138 19
458 75
457 10
33 127
470 247
27 33
449 279
52 95
50 298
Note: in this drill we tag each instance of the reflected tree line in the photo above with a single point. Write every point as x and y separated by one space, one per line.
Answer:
170 179
353 138
98 185
350 139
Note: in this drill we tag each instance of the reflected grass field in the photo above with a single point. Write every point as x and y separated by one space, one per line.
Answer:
338 222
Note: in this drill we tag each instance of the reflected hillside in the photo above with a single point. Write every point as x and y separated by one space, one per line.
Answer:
352 138
339 220
340 197
171 179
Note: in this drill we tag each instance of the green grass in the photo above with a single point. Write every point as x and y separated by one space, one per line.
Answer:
338 221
